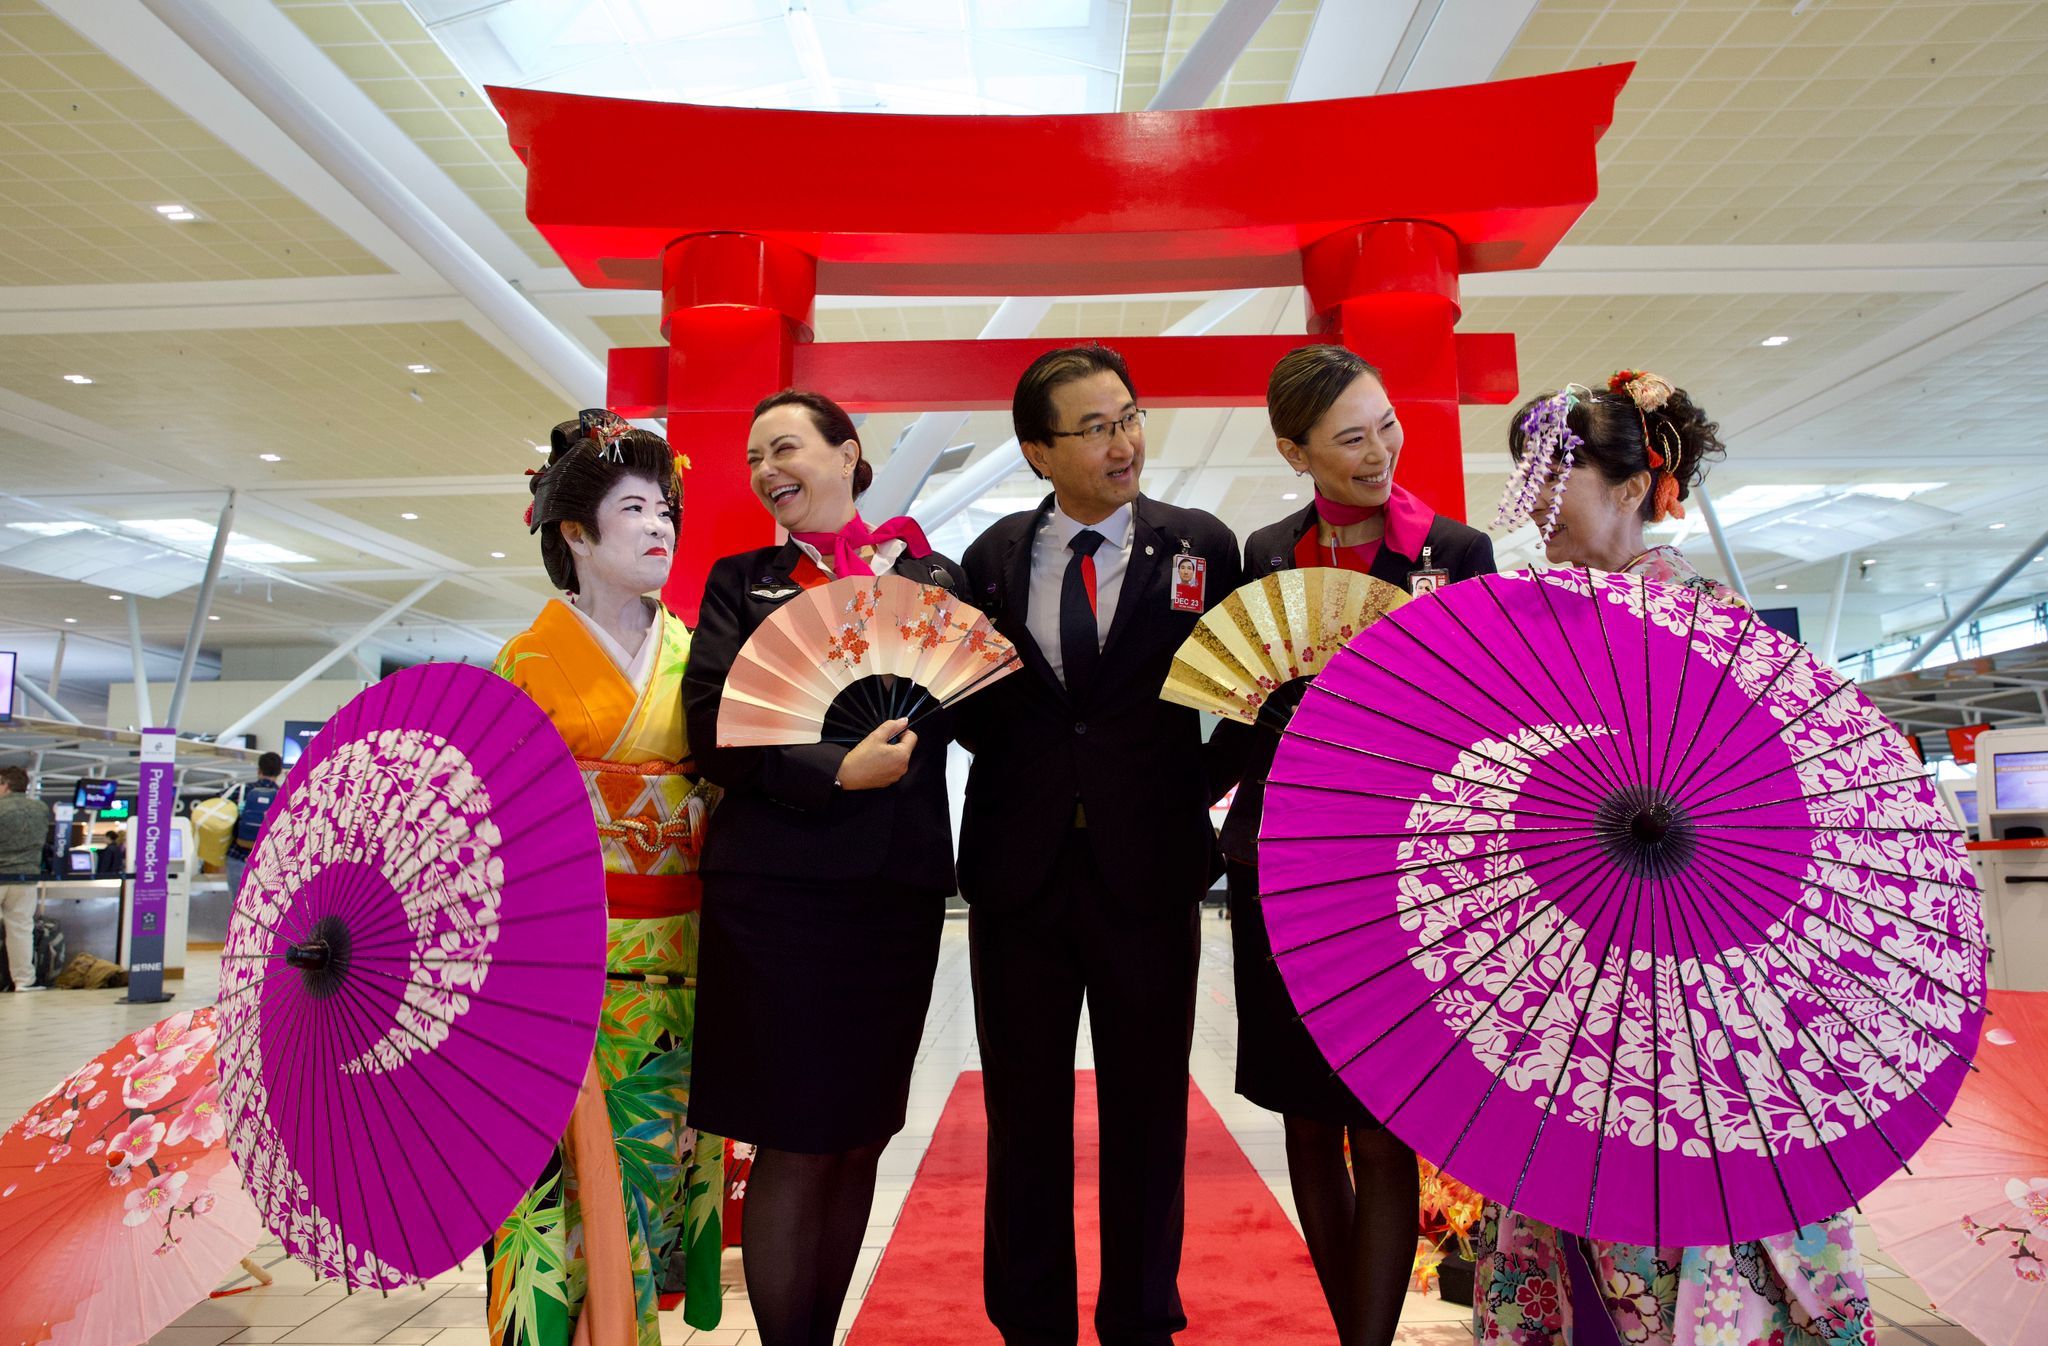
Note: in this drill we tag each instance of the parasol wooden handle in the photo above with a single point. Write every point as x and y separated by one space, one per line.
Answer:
609 1316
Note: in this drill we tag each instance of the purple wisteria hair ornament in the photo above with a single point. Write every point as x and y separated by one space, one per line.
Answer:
1549 447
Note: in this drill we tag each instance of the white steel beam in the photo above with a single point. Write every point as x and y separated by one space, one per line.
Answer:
145 712
1975 605
200 608
328 660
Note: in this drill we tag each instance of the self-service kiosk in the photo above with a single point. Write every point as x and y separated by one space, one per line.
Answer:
2010 854
178 903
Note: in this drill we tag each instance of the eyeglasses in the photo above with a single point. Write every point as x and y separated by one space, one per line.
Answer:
1099 433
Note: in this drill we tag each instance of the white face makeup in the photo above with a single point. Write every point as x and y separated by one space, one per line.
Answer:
636 538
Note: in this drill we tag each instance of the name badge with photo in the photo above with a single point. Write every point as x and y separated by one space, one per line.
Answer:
1426 578
1190 583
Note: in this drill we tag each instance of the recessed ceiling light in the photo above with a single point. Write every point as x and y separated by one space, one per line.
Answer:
181 215
1928 585
170 210
1774 341
71 621
213 616
76 378
271 457
538 448
1291 495
408 515
1781 586
419 369
115 597
497 556
1998 525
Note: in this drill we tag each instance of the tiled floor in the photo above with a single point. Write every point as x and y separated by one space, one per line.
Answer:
43 1037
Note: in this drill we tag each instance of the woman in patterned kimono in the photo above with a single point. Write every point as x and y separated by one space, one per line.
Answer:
632 1190
1642 446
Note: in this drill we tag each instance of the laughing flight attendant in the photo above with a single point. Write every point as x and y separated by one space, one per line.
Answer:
825 887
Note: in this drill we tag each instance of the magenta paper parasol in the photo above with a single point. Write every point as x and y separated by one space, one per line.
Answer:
1620 908
411 982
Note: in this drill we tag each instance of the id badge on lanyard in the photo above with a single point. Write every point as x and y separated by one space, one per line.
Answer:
1426 578
1190 580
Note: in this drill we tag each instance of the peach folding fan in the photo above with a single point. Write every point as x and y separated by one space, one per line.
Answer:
836 661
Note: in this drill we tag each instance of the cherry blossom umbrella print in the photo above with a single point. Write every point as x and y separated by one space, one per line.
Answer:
1622 909
120 1208
1970 1222
412 976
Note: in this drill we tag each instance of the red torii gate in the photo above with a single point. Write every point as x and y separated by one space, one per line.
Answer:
740 217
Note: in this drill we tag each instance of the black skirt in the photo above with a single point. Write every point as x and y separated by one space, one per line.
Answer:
811 1003
1279 1066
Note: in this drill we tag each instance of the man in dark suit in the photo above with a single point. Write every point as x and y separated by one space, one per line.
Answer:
1085 848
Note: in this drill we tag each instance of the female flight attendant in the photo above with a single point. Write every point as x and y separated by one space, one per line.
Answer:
576 1260
824 892
1332 422
1642 447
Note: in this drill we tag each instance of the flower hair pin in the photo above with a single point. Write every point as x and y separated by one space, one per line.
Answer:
603 427
1549 448
1650 392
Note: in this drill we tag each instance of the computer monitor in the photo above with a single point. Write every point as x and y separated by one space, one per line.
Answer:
2019 780
177 843
8 660
1966 804
93 794
297 734
79 862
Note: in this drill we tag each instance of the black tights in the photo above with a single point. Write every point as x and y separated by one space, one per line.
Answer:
1360 1234
804 1220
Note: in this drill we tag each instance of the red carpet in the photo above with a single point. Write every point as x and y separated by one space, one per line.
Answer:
1244 1275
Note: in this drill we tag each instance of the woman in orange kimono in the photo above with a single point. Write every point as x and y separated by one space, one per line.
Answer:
631 1190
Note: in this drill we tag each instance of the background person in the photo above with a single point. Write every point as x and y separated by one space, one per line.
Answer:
24 832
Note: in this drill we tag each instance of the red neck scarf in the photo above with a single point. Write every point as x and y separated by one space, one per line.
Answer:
844 546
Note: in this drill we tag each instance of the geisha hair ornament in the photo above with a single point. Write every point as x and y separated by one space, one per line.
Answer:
1650 392
602 427
1549 448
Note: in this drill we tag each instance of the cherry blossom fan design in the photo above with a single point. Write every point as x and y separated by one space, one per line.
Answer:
119 1205
411 983
1622 909
837 661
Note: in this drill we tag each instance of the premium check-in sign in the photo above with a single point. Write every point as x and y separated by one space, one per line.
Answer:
156 804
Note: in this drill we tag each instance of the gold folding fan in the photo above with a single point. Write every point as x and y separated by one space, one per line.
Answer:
1284 626
836 662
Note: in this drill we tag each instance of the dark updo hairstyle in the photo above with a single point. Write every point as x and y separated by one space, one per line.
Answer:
583 466
833 423
1612 430
1307 383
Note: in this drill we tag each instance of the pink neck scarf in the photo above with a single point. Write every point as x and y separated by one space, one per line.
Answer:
844 546
1339 515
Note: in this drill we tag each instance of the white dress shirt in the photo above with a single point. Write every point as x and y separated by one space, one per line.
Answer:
1049 559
